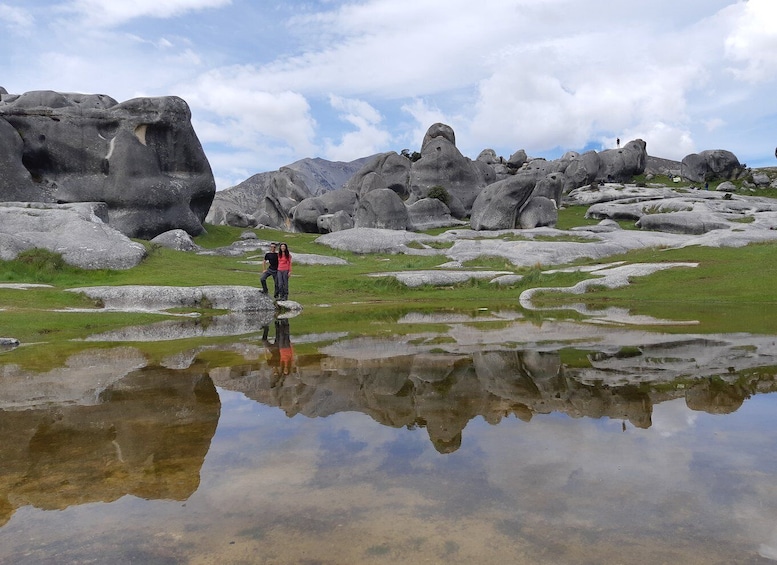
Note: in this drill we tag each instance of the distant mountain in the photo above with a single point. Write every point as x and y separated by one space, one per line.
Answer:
319 175
247 198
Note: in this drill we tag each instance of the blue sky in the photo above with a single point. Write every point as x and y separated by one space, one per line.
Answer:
270 82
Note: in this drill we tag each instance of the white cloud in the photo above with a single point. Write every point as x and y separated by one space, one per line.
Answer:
368 138
16 19
753 41
108 14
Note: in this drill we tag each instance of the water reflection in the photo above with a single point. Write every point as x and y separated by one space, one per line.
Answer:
104 427
442 391
490 443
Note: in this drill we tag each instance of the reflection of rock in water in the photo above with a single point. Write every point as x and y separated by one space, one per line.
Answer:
442 391
146 434
234 323
715 397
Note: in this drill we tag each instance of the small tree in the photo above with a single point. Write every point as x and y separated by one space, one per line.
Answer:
439 193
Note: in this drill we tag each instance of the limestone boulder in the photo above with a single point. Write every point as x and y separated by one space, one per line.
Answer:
386 170
711 164
498 204
694 223
581 170
382 209
179 240
308 211
620 165
539 211
338 221
551 186
75 231
141 157
429 213
441 164
517 160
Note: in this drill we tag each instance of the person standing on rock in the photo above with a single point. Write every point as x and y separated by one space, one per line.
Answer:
284 271
270 269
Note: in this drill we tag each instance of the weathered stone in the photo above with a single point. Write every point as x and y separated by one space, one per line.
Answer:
761 179
141 157
439 130
517 159
307 212
159 298
682 222
711 164
429 213
620 165
73 230
386 170
726 186
497 205
338 221
179 240
539 211
551 187
381 209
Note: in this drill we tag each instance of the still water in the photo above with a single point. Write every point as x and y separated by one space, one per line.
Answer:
496 440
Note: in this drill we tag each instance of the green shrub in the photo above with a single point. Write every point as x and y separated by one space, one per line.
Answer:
440 193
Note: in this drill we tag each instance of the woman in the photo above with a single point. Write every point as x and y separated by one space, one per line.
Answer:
284 271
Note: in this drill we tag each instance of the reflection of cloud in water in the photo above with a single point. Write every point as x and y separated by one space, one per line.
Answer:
673 417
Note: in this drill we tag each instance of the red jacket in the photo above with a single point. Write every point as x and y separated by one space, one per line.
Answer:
284 262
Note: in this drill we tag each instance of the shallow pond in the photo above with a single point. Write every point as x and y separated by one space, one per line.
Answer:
498 440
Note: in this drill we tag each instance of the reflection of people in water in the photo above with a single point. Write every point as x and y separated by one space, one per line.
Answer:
283 341
280 352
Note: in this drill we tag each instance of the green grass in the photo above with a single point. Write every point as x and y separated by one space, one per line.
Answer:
731 290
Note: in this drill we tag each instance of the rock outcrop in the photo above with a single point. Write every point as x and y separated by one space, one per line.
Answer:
712 164
141 157
76 231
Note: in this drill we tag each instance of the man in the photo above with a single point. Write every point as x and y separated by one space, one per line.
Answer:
270 269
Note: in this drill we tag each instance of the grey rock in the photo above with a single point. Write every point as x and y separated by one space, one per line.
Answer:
726 186
429 213
239 219
517 159
489 157
439 130
160 298
141 157
498 204
711 164
334 222
74 231
381 209
682 222
370 240
179 240
761 179
386 170
539 211
441 164
551 187
581 170
308 211
620 165
414 279
8 342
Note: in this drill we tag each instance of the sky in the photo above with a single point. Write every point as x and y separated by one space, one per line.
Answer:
269 83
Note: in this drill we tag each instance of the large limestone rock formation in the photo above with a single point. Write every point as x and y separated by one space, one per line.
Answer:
141 157
442 164
712 164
